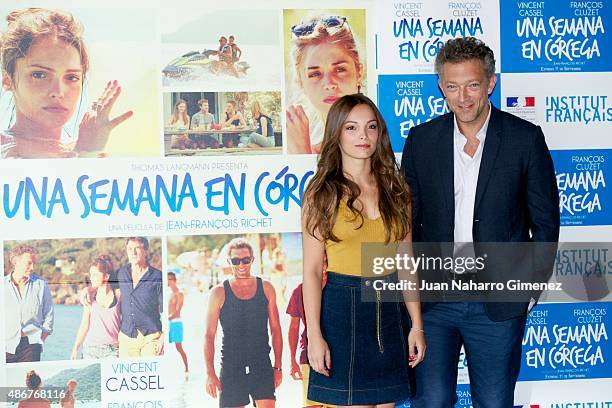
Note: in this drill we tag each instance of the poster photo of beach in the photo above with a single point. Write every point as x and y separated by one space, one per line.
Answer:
200 269
82 299
60 385
205 48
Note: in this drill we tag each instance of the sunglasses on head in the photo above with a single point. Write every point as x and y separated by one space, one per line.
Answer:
306 28
237 261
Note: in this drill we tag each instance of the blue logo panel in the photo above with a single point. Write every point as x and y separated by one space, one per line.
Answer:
566 341
555 36
582 179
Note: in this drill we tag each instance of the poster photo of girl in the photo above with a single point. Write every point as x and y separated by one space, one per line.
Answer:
62 93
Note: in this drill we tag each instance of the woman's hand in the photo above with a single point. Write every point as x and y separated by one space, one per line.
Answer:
96 126
74 355
416 346
319 356
298 130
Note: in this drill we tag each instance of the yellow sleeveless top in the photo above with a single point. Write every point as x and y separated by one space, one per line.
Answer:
345 257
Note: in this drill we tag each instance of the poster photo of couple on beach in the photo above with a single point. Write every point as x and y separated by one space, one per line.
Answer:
74 299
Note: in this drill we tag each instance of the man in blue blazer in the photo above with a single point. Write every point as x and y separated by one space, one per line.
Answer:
478 175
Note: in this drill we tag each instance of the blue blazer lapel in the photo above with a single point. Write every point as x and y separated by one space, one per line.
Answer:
489 154
446 169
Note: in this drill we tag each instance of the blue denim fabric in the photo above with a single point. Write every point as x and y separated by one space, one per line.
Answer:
367 341
493 353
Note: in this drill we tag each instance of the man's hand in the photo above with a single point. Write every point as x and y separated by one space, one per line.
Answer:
212 385
159 345
278 378
296 373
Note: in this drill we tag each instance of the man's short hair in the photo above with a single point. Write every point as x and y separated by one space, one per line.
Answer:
202 102
141 240
233 103
238 243
20 250
462 49
171 275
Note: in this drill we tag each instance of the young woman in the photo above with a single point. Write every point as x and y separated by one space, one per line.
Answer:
236 51
44 65
180 121
326 66
264 135
357 349
101 321
180 118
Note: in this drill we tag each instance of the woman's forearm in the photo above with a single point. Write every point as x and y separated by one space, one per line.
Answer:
414 310
410 295
83 329
312 301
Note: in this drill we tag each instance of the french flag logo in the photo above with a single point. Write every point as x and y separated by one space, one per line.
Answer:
528 406
520 101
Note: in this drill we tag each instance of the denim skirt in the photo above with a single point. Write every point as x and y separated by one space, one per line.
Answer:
366 332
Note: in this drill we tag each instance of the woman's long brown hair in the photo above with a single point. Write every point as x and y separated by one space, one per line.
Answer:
330 185
176 115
